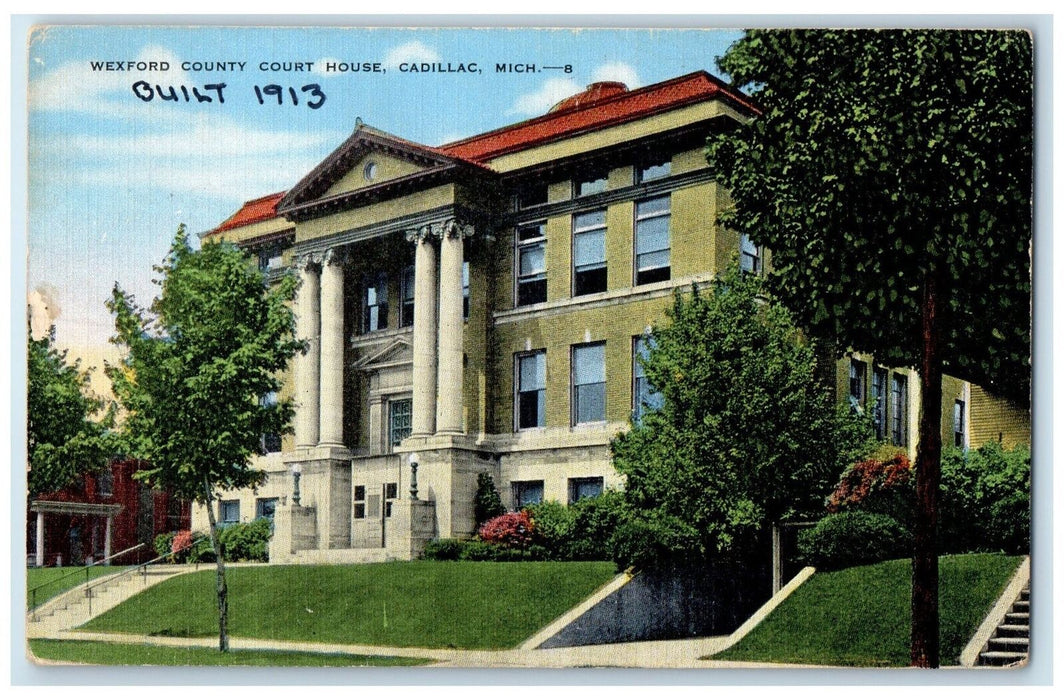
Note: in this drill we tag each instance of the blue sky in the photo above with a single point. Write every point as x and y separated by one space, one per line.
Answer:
112 176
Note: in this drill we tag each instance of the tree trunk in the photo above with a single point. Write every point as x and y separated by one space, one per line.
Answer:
924 649
223 591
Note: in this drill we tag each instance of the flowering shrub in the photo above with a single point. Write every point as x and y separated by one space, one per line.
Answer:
875 485
510 529
182 540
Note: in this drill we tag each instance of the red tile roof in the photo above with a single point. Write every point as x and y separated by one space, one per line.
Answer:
594 109
252 212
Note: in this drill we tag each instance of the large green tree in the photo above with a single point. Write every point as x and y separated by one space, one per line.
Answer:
889 172
68 427
197 364
744 435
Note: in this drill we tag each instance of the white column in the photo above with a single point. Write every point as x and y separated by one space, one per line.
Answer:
423 420
305 366
450 372
107 538
40 538
332 350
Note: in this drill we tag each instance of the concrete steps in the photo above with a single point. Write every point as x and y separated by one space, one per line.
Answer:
80 604
1010 644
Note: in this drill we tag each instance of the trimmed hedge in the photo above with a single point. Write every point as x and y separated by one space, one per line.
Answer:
852 538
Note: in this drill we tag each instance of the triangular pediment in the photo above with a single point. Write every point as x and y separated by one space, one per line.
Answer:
375 167
397 351
345 169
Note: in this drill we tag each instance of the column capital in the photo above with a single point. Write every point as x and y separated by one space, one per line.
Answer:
307 261
453 228
334 256
420 234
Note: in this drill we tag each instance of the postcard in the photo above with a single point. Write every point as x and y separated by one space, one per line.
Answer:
528 347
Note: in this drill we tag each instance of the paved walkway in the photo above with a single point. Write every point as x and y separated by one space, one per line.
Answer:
59 618
680 653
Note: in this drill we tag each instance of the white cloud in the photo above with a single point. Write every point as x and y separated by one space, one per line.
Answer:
619 71
552 91
410 52
75 87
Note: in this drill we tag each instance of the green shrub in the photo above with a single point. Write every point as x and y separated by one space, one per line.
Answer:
201 551
848 539
594 520
487 503
552 524
645 542
162 543
985 502
444 549
247 541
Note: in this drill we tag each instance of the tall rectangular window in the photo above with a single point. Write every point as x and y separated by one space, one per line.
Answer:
653 169
531 390
593 183
265 508
879 402
858 370
406 290
400 413
465 290
270 259
586 487
358 497
589 252
526 493
532 263
375 304
652 240
229 512
644 396
959 421
589 383
899 410
391 494
749 255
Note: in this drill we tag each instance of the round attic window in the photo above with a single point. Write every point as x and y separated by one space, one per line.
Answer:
370 171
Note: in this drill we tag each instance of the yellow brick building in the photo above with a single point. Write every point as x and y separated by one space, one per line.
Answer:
478 307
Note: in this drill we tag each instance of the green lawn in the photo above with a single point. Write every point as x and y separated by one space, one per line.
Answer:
434 604
51 587
860 616
106 654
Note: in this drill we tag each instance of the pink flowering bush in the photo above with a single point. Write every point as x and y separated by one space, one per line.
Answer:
182 540
510 530
876 486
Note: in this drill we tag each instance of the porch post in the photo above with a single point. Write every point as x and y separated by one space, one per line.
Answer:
332 350
305 366
423 420
40 539
107 538
449 405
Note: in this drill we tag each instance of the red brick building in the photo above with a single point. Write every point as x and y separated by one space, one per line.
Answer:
102 514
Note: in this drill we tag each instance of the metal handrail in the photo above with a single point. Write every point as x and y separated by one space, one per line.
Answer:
142 567
33 591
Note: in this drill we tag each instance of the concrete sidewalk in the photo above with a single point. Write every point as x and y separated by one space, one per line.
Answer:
680 653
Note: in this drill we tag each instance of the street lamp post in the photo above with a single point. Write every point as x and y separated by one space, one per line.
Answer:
413 458
296 470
